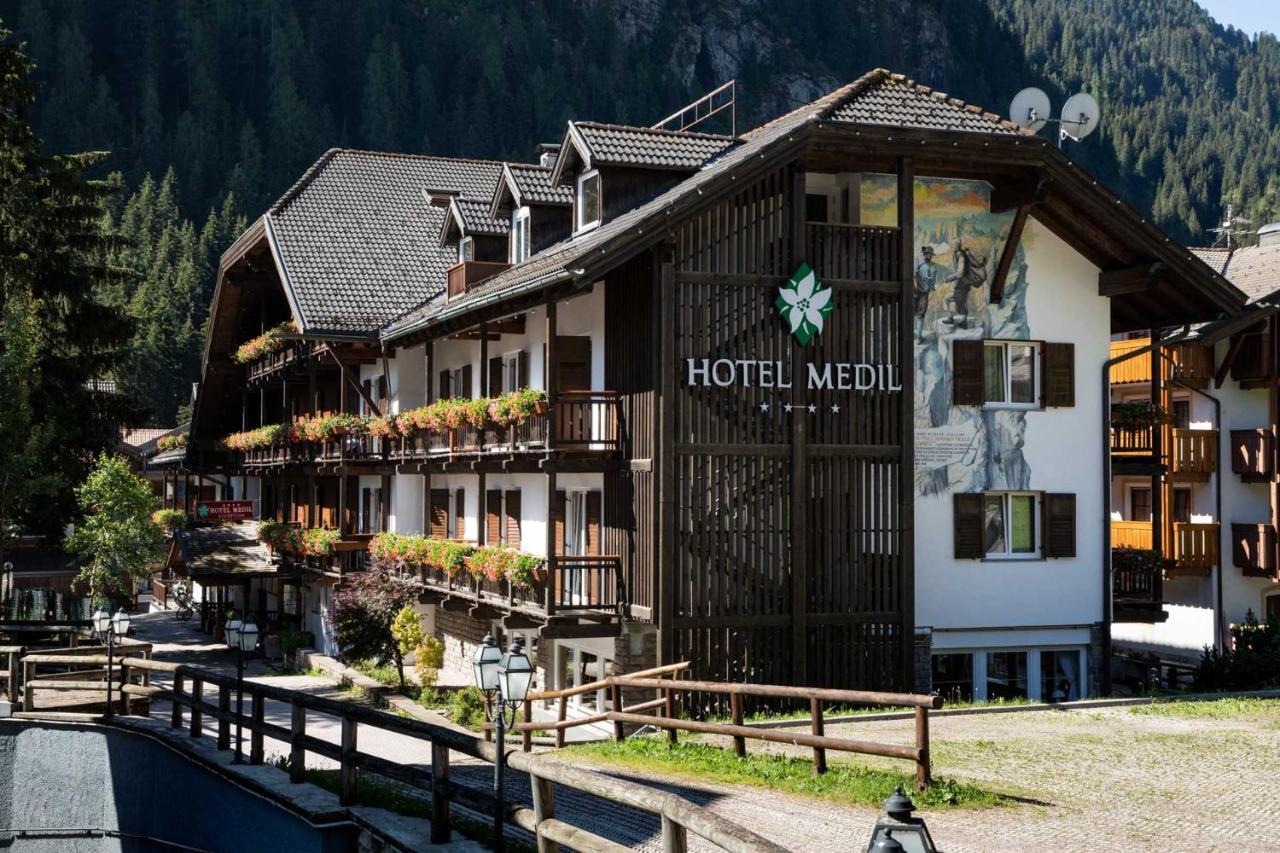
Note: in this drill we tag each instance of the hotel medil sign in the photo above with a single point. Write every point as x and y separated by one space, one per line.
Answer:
804 305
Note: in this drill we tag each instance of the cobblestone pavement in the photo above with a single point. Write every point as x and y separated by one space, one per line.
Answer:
1104 779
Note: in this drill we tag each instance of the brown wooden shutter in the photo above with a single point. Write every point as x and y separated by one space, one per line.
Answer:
558 513
967 521
1059 512
573 370
593 522
495 376
444 391
522 369
493 517
1059 379
966 373
439 513
511 518
467 389
460 514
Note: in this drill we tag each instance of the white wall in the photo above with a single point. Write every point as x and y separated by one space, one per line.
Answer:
1063 449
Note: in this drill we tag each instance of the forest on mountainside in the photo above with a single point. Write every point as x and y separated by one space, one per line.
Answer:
211 109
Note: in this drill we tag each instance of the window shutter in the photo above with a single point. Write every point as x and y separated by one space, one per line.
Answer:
493 517
440 513
460 514
467 389
1059 380
512 520
557 520
967 520
593 522
495 375
966 372
443 390
1059 512
522 368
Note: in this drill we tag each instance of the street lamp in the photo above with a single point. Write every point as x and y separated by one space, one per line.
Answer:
108 627
243 638
505 678
898 831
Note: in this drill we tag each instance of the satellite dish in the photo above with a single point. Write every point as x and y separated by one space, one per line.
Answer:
1079 116
1030 108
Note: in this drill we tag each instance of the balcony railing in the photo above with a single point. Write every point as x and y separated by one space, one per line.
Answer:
1131 442
1192 363
858 252
1193 550
577 582
1193 455
293 352
1253 550
1252 454
463 276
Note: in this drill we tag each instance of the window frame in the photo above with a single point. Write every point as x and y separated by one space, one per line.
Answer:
1037 513
1034 669
581 225
511 371
465 245
1037 368
521 240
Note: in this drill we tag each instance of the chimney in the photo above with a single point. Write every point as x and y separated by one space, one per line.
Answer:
547 153
1269 235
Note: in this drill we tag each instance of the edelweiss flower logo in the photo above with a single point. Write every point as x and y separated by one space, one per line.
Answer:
804 303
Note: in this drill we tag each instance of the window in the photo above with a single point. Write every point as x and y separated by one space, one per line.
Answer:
815 207
953 677
1009 526
1181 414
1006 675
520 235
1010 374
587 207
511 372
290 604
456 388
1060 676
1140 504
466 249
1182 505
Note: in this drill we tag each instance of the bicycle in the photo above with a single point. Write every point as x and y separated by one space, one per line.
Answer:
184 605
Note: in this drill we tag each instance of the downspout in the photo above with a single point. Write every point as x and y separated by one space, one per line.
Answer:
1107 609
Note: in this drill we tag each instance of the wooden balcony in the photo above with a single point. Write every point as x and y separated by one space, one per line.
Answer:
576 583
463 276
1252 455
1132 442
1252 364
1192 363
853 252
1192 552
1253 550
1192 456
294 352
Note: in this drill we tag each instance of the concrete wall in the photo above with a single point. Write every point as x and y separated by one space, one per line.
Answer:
71 777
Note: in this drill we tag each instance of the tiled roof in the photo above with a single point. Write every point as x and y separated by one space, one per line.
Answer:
139 437
533 183
1255 270
476 218
359 242
225 549
620 145
896 101
1215 259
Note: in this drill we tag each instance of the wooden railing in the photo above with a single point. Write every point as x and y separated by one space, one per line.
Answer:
586 420
585 582
856 252
1193 455
463 276
1137 586
1132 442
669 689
1131 534
1253 550
293 352
679 816
1192 363
1252 454
1193 551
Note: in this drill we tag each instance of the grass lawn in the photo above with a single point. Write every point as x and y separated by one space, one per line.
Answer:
1215 709
843 782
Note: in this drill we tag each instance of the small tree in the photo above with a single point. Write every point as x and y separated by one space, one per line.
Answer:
116 538
363 610
428 651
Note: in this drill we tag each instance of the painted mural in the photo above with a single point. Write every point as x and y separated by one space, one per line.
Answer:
957 245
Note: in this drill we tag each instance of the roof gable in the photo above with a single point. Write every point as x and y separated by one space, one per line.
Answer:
597 144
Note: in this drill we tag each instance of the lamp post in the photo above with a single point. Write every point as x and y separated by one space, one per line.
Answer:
504 679
243 638
898 831
108 627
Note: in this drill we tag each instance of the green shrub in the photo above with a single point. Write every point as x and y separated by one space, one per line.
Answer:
466 708
1253 662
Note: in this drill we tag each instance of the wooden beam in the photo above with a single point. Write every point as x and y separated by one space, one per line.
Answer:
346 373
516 622
1229 359
906 464
1024 193
996 296
1129 279
581 631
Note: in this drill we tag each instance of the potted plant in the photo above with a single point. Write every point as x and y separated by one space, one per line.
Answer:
1137 416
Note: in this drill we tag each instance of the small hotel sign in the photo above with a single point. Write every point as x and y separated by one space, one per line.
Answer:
224 510
804 305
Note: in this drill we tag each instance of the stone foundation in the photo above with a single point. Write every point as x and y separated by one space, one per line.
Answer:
922 664
1097 636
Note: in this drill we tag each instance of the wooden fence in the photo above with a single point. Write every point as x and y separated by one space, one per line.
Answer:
664 681
190 709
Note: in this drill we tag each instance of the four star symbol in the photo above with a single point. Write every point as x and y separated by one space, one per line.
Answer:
788 407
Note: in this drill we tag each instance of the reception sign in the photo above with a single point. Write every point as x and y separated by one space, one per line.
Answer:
224 510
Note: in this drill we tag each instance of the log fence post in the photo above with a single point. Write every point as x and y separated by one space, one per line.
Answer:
526 740
923 774
561 714
669 711
817 728
175 712
15 677
255 728
739 742
124 679
347 770
615 697
297 752
197 706
28 686
440 830
224 717
675 838
544 808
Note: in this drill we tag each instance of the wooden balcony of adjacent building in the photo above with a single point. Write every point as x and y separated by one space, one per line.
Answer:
464 276
850 252
1192 363
1188 455
1191 549
578 595
1254 551
298 356
1253 455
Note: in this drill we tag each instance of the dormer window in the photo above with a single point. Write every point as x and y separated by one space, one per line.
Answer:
467 249
587 202
520 235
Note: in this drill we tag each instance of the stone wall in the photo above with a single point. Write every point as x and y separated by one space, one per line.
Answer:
1096 659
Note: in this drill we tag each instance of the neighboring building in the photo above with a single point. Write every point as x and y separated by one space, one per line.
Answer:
731 467
1214 502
